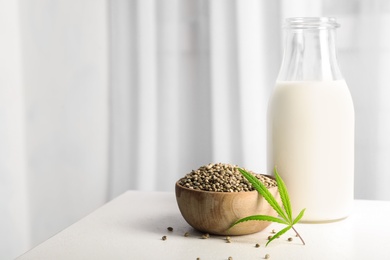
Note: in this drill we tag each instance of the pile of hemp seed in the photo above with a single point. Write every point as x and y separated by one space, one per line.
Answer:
221 177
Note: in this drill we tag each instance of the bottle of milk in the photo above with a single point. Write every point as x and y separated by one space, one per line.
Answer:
311 123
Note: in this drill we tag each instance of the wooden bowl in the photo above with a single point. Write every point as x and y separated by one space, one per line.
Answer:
215 212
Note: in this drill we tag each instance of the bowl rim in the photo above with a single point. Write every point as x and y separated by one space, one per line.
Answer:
223 192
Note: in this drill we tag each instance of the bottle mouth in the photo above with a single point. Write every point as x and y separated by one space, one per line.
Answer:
311 23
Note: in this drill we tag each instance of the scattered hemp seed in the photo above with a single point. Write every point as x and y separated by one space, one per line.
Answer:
269 237
228 239
290 239
230 258
186 234
170 228
267 256
198 258
273 231
257 245
205 236
164 238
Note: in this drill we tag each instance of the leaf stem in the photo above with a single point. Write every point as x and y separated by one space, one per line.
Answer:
298 235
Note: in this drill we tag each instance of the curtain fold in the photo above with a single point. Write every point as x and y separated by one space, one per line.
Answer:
196 69
147 86
169 50
259 54
225 101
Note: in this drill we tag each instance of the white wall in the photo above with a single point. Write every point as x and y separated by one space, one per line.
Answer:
65 81
54 105
13 193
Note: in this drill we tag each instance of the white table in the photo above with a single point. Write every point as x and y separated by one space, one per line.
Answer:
132 225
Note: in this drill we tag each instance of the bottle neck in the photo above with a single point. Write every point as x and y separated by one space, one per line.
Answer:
310 55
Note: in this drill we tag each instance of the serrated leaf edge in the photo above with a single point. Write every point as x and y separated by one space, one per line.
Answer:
298 218
261 218
264 192
274 204
284 195
281 232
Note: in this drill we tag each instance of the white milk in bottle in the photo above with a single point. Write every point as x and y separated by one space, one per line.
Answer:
311 123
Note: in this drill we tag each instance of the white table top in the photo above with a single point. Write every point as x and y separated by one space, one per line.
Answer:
132 225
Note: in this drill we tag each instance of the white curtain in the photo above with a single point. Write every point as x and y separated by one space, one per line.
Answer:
184 76
98 97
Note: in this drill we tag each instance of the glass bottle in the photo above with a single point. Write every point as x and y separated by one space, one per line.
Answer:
311 122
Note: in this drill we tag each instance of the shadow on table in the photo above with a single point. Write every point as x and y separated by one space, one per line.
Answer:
159 224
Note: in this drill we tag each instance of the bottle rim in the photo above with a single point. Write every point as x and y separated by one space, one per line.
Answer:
311 23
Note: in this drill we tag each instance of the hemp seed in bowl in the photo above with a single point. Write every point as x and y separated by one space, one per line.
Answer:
213 197
221 177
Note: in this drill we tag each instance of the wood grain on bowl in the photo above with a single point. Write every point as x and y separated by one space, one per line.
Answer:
215 212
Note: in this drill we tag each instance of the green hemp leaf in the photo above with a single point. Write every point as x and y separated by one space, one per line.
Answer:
285 212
